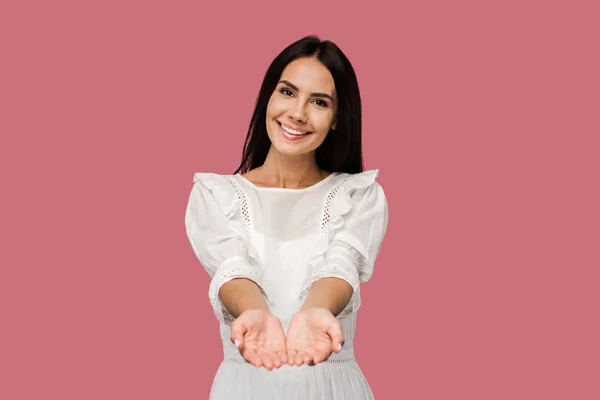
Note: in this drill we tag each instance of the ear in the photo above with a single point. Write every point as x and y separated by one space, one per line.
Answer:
334 125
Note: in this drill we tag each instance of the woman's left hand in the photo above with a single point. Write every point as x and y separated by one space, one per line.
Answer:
312 335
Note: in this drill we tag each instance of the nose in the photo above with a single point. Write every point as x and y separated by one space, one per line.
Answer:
298 113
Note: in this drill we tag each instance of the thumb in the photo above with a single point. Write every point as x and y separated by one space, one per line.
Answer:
336 335
238 330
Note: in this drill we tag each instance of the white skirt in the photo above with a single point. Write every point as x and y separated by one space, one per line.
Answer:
330 380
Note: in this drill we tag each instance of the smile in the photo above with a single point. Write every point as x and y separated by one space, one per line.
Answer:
290 133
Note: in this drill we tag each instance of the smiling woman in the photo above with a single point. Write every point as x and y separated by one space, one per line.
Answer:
290 236
297 112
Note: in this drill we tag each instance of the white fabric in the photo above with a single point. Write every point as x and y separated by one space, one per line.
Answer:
284 240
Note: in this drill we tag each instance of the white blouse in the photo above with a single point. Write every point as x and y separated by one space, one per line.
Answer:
286 239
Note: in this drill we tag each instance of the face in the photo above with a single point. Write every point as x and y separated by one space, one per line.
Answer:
302 108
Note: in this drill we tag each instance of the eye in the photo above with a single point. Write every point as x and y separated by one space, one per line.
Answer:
286 92
321 103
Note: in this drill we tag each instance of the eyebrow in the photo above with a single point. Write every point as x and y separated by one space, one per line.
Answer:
290 84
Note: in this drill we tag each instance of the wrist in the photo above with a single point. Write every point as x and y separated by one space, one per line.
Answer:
307 309
331 294
254 308
308 306
241 294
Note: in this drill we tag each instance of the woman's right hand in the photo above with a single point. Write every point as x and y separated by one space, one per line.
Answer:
259 336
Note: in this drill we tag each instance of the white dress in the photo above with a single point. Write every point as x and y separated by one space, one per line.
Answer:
285 239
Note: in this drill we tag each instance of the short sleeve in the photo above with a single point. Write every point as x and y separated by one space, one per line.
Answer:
212 221
358 222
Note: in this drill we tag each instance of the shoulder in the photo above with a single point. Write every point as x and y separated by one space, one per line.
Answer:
359 191
363 182
212 181
221 187
203 177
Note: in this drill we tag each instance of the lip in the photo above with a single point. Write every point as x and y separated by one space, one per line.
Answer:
292 127
287 135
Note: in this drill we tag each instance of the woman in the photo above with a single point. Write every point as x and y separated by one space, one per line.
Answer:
290 236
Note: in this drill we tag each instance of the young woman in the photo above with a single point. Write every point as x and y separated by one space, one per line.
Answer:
290 236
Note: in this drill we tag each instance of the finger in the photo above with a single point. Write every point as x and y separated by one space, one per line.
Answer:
316 356
275 355
291 357
254 359
238 330
299 358
264 352
321 353
310 355
277 360
239 342
267 362
281 356
337 337
336 345
307 359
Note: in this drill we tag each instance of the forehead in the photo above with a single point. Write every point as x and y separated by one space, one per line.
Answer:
308 74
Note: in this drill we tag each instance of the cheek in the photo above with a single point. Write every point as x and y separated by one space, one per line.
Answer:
274 108
323 123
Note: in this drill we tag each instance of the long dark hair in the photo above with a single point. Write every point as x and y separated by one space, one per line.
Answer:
341 151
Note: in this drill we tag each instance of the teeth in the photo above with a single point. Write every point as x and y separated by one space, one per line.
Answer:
292 131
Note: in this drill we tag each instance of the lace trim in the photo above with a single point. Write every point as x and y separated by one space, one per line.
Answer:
326 215
350 272
340 271
329 360
244 202
363 266
225 276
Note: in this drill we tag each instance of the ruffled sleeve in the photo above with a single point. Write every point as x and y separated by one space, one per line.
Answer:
354 224
216 231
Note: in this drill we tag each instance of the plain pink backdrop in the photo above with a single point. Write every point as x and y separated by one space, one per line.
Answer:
482 118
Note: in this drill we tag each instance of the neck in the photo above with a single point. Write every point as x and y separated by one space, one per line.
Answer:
292 171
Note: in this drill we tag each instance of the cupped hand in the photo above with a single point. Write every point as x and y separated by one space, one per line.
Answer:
312 335
260 338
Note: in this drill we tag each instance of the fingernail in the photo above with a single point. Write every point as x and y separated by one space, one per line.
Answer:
237 343
339 346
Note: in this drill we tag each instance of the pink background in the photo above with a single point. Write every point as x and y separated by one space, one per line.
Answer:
483 121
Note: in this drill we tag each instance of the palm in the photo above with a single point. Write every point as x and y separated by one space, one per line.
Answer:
261 338
311 336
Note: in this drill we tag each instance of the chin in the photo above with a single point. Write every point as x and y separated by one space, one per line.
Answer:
291 151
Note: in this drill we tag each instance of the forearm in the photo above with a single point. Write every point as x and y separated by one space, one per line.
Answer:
330 293
239 295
